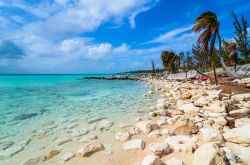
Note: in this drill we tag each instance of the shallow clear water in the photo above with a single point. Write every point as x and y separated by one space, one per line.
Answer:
29 101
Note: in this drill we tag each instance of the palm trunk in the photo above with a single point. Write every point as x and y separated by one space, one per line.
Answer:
211 55
234 74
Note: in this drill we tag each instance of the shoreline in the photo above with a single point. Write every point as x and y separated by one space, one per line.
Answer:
188 116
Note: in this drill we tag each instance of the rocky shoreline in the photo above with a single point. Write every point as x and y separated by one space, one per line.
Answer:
193 123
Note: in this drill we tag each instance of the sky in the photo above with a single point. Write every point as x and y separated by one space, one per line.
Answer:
101 36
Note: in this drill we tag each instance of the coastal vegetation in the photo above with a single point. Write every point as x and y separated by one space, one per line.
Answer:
204 56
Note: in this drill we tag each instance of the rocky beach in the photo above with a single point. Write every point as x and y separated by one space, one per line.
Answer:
191 123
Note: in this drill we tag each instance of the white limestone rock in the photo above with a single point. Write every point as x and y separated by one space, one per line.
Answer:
238 135
134 144
188 108
174 161
151 160
241 121
123 136
241 97
242 152
217 107
209 154
91 147
211 135
147 126
155 133
180 143
159 149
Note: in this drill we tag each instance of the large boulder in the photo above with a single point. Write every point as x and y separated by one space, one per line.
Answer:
91 147
242 152
210 135
147 126
159 149
151 160
134 144
238 135
209 154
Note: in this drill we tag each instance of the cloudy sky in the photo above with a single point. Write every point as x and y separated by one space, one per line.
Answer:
101 36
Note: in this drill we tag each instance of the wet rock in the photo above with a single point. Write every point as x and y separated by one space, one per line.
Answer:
159 149
63 141
211 135
96 120
5 145
134 131
123 136
174 161
51 154
105 124
10 151
209 154
34 161
90 148
86 139
238 135
134 144
67 156
180 143
242 152
151 160
147 126
25 116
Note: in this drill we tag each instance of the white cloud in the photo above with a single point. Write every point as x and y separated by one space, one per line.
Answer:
170 34
122 48
136 13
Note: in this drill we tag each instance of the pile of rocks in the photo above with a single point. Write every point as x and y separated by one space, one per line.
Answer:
197 118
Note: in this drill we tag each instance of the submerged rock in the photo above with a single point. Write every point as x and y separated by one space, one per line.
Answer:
134 144
86 139
105 124
52 154
34 161
68 156
63 141
209 154
5 145
11 151
91 147
25 116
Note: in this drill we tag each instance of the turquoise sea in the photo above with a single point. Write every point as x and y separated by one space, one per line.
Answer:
28 102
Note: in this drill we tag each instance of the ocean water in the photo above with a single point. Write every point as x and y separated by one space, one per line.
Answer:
28 103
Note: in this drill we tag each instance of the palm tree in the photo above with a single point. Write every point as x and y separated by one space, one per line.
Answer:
208 25
170 61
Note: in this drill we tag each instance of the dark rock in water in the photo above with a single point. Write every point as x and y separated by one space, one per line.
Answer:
25 116
43 110
112 78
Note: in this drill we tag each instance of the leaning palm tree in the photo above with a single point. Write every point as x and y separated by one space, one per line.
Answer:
208 25
170 61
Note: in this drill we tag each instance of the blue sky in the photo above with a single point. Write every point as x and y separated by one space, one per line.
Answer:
101 36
